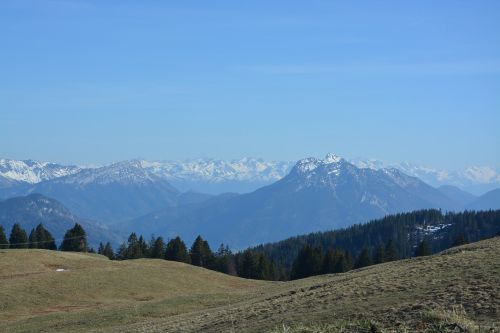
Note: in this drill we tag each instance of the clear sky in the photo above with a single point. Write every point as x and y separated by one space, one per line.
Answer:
101 81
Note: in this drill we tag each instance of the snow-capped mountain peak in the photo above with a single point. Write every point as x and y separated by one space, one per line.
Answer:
332 158
213 170
330 163
124 172
33 172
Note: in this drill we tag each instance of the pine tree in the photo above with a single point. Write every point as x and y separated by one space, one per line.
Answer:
75 240
364 259
134 247
18 238
121 254
4 243
144 247
423 249
391 253
263 271
379 256
201 254
44 238
329 262
225 260
348 261
108 251
248 266
158 248
100 249
309 262
459 240
33 240
343 264
177 251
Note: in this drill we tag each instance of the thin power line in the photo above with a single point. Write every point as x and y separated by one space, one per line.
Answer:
49 241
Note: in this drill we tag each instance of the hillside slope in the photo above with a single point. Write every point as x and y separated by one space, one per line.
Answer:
94 292
433 294
98 295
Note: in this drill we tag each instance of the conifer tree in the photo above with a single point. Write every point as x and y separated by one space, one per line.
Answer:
201 254
177 251
121 254
309 262
423 249
364 259
33 240
134 247
75 240
329 262
43 238
391 252
144 247
459 240
348 261
4 243
344 263
18 238
108 251
248 266
157 248
263 271
379 256
225 260
100 249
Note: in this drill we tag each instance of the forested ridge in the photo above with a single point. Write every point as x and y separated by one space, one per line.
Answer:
405 231
393 237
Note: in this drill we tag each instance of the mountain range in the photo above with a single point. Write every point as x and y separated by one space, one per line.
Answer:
215 176
316 195
313 195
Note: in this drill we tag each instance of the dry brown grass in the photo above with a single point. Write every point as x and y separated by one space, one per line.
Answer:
449 292
394 297
95 292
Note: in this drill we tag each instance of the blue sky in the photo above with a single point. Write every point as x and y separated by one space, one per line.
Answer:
101 81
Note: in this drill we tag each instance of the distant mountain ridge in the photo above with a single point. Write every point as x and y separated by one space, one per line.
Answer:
33 172
489 200
218 176
316 195
475 179
244 175
112 193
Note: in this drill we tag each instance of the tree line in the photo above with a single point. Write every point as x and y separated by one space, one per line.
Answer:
393 237
246 264
75 239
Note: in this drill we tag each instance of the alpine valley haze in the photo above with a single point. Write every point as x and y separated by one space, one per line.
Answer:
235 166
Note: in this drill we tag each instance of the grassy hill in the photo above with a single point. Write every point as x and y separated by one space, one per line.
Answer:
454 290
94 292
